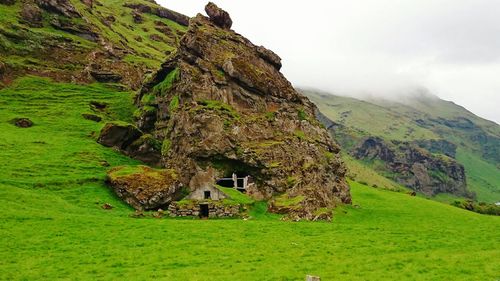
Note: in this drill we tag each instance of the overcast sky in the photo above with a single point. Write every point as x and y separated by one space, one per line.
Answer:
379 47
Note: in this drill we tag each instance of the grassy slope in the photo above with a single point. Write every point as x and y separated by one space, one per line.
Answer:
396 121
52 225
482 177
28 50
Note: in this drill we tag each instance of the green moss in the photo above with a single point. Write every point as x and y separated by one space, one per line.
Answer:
302 115
218 106
220 73
322 211
329 155
131 170
289 202
300 134
148 99
126 171
165 148
270 116
291 181
164 86
174 104
274 165
150 140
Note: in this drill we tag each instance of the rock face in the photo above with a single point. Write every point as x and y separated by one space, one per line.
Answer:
416 167
32 15
131 141
221 104
218 16
62 7
118 135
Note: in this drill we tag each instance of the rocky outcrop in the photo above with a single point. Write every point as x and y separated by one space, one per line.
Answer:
81 30
439 146
62 7
144 188
119 135
415 167
32 15
131 141
218 16
160 12
221 103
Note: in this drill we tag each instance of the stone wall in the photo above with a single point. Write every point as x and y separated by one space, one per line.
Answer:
215 209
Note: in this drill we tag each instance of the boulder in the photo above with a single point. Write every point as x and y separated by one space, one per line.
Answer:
241 116
62 7
119 135
92 117
144 188
32 15
218 16
23 122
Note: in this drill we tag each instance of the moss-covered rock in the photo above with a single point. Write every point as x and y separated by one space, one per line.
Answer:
223 106
144 188
119 135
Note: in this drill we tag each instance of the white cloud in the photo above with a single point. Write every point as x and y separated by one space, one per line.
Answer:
451 47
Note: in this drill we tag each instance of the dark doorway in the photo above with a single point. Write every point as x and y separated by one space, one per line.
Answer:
206 195
226 182
203 210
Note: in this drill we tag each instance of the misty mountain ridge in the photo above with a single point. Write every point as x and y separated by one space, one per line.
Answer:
424 121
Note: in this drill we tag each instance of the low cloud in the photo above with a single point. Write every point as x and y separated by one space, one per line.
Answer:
381 47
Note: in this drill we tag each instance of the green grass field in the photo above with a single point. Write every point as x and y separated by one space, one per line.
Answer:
52 226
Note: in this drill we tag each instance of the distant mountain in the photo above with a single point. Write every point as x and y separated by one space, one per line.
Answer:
420 141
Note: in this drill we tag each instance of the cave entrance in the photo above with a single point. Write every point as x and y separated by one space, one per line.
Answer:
204 211
240 181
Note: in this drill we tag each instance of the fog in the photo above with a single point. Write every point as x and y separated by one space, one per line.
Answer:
378 47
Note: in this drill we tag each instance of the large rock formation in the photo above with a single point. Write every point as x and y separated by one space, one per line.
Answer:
220 105
416 167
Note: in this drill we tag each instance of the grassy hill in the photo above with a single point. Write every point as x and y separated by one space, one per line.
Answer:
52 184
105 38
417 118
53 226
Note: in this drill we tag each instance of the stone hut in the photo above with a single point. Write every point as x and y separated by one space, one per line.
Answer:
205 202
